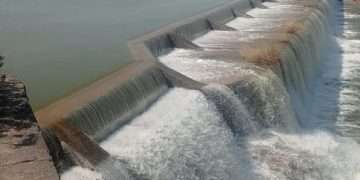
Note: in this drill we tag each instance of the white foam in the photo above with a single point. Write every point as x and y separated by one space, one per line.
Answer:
201 69
312 155
181 136
79 173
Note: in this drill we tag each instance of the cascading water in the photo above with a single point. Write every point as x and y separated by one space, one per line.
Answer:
189 140
277 121
101 117
336 91
234 112
264 90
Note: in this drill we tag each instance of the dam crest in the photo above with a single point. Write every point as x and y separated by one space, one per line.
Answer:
248 90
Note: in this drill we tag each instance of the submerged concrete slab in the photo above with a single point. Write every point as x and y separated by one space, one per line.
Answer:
23 152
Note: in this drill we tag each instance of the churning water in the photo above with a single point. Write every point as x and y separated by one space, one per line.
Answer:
79 173
182 136
301 124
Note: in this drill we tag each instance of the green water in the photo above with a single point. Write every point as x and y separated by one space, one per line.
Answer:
56 46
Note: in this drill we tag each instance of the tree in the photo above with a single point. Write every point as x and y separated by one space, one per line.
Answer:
1 61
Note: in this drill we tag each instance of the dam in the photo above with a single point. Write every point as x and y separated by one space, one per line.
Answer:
251 89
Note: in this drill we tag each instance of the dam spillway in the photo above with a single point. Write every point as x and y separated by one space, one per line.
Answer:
250 90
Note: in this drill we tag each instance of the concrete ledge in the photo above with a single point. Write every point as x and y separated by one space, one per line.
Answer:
63 108
23 152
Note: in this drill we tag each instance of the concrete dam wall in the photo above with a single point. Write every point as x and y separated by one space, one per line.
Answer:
249 90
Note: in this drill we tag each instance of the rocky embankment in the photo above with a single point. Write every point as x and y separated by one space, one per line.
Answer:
23 151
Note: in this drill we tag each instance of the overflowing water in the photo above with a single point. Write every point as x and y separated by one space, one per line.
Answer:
337 89
203 70
189 140
102 116
292 119
234 111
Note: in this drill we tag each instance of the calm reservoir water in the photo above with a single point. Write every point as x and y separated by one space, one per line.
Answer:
57 46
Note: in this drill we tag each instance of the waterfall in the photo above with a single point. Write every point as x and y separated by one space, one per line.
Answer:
267 100
339 83
260 89
287 110
104 115
234 112
301 59
189 140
